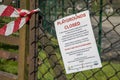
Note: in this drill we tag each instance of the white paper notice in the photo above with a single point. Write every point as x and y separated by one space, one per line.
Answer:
77 42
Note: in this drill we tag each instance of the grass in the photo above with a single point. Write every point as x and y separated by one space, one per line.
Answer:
110 70
7 47
8 66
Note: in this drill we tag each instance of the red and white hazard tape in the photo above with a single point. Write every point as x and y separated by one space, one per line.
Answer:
23 16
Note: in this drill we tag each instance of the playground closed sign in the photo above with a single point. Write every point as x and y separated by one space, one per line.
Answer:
77 43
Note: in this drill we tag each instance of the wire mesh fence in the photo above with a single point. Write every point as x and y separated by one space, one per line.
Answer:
49 61
50 65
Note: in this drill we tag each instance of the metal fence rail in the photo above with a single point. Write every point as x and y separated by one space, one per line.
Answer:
106 30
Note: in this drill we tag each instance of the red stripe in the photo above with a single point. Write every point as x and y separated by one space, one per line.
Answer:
32 12
22 14
16 24
8 11
19 10
28 18
3 30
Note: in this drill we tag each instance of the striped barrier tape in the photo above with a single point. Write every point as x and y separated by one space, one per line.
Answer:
22 15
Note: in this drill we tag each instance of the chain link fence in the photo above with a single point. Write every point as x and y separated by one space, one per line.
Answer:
49 61
50 65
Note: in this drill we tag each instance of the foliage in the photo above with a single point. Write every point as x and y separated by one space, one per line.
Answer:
8 47
95 74
8 66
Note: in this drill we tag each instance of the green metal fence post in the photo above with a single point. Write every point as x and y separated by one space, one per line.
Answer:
100 27
62 8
